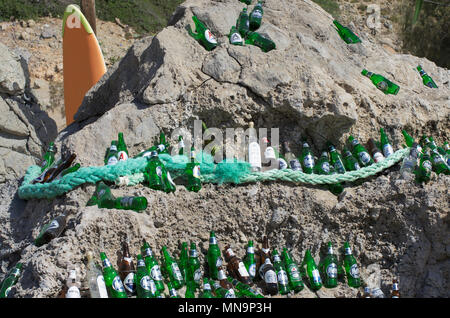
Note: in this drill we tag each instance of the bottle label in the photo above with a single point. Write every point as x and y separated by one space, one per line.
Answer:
176 271
276 258
270 277
382 86
196 172
193 253
355 142
44 163
242 270
293 271
339 166
145 283
210 37
147 252
230 294
53 225
282 164
378 156
364 157
230 252
112 161
173 293
388 150
106 263
252 270
140 262
129 283
308 161
326 167
269 153
282 278
73 292
207 286
348 251
159 171
219 261
212 241
122 155
126 202
356 166
102 286
117 285
113 148
395 286
235 38
316 276
254 155
332 270
250 250
155 272
198 275
256 14
438 159
161 147
427 165
295 165
354 271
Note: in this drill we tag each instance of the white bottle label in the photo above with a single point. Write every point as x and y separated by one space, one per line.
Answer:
219 262
112 161
308 161
102 286
155 272
356 166
53 225
427 165
254 155
230 294
387 150
354 271
270 277
73 292
364 157
126 201
195 172
326 167
176 272
113 148
210 37
332 270
378 157
198 274
129 284
269 153
316 276
257 14
242 270
145 283
295 165
122 155
235 38
252 270
282 278
117 284
282 164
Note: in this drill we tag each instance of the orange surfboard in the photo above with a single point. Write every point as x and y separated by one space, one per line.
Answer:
83 63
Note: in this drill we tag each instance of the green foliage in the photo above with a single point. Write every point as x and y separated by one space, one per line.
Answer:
330 6
26 9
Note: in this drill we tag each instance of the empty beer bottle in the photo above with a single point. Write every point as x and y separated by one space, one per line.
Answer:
426 79
226 288
105 199
172 269
127 270
408 139
291 159
360 152
423 170
153 172
256 16
246 1
163 146
244 290
180 145
221 292
73 285
351 267
192 172
312 271
270 158
263 253
203 34
382 83
235 266
438 163
269 276
374 151
409 163
243 22
10 280
49 157
323 167
235 37
112 156
265 44
213 256
249 260
293 272
282 278
51 230
206 293
307 158
152 265
146 287
385 144
194 268
346 34
112 279
395 290
336 158
183 260
172 291
96 282
254 150
350 162
122 151
328 267
45 175
68 170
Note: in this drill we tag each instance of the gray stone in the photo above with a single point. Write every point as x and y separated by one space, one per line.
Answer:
12 77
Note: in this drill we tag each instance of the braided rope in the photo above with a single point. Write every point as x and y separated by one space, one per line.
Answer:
130 172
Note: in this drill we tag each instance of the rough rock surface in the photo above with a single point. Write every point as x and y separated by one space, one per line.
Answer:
310 86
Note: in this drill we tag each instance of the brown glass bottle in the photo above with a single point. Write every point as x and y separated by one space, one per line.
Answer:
50 174
268 274
395 292
235 266
374 151
52 230
222 277
264 252
127 270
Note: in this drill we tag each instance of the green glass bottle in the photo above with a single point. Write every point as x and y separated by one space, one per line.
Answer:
192 172
51 230
426 79
312 271
207 292
152 266
72 169
194 268
235 37
172 291
265 44
112 157
446 147
49 157
203 34
408 139
223 288
328 268
105 199
346 34
385 144
256 16
249 260
307 159
323 167
153 172
244 290
382 83
246 1
243 22
438 163
183 260
292 161
163 146
112 280
172 269
10 280
350 163
122 151
213 256
180 146
351 267
424 168
293 272
336 159
283 280
190 289
360 152
145 286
